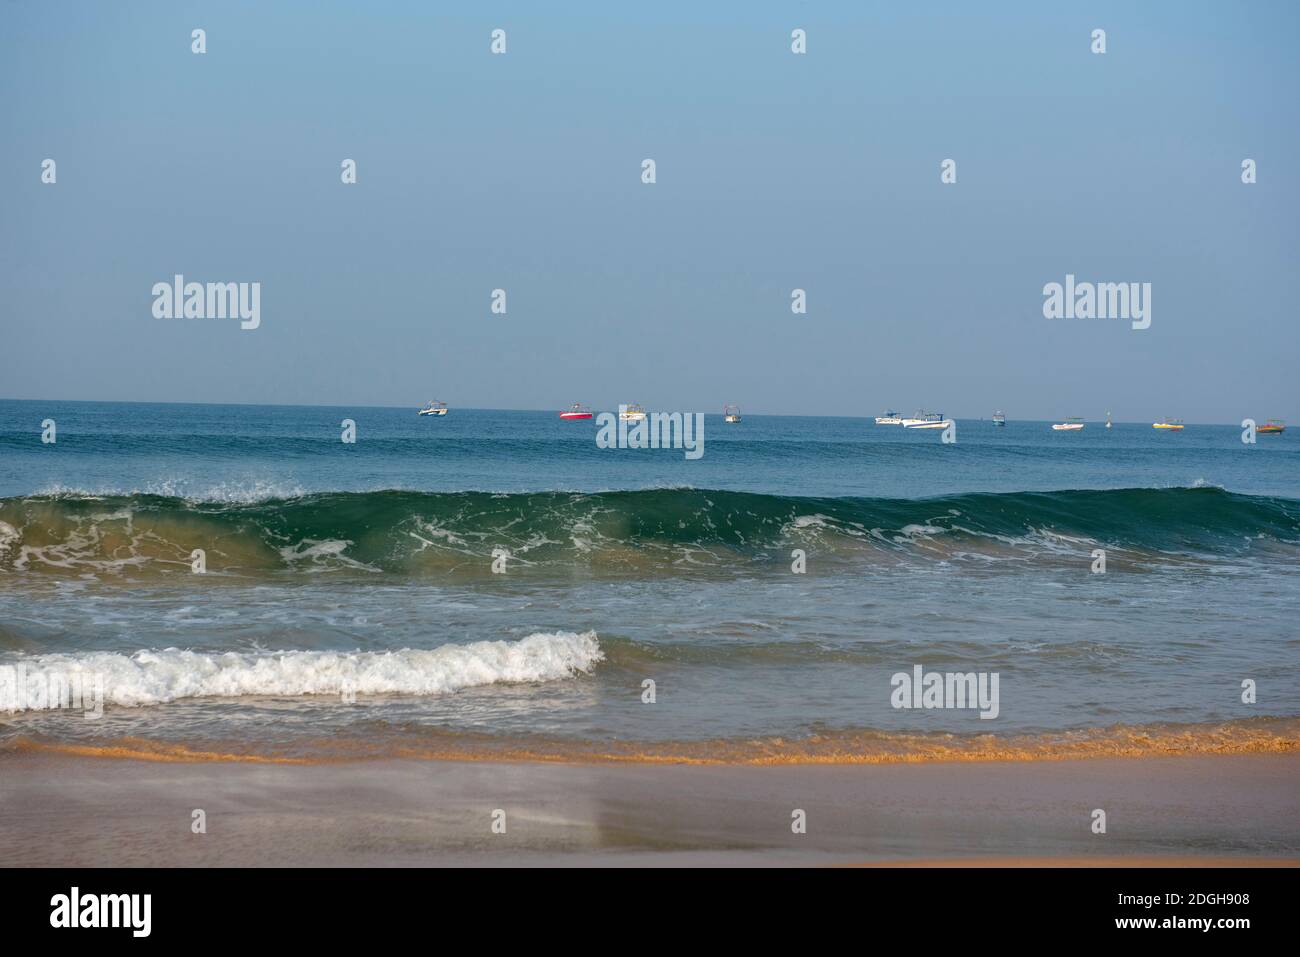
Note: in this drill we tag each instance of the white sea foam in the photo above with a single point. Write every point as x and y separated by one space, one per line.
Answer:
8 535
324 553
157 677
434 531
910 532
225 493
811 521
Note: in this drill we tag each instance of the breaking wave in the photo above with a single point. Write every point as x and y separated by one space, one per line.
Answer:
432 533
158 677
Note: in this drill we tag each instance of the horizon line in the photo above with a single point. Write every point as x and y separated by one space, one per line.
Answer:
469 408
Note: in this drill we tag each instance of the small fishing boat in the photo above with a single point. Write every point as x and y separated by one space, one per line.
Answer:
434 408
919 417
1108 420
1073 424
1271 427
576 411
731 413
631 413
999 418
890 418
928 420
1168 425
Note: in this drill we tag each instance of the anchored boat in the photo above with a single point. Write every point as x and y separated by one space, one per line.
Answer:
731 413
1271 427
576 411
1073 424
999 418
927 420
631 413
434 408
1168 425
889 418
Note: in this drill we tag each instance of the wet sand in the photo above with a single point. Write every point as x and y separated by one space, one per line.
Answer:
77 811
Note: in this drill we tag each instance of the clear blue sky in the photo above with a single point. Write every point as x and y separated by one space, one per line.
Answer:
775 171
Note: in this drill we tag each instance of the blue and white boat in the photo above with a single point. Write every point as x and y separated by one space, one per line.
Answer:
927 420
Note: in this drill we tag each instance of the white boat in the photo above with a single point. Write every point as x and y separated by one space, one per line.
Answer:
631 413
889 418
1108 420
434 408
999 418
731 413
927 420
1069 425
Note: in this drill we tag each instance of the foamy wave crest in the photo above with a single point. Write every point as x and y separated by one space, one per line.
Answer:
249 492
158 677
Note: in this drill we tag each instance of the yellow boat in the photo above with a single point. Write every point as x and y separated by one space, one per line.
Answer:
1168 425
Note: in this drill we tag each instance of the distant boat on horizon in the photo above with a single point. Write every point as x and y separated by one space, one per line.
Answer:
731 413
434 408
1108 420
631 413
889 418
927 420
999 418
1072 424
1169 425
576 411
919 417
1271 427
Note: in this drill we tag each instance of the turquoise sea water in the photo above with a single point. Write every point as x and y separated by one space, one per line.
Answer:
334 569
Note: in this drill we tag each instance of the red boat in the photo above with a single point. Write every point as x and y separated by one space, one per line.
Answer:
577 412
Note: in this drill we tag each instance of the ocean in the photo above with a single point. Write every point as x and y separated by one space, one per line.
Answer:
493 583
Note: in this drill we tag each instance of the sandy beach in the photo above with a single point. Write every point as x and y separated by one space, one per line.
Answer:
77 811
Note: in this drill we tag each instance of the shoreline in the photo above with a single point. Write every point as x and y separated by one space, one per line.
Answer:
1263 735
64 810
